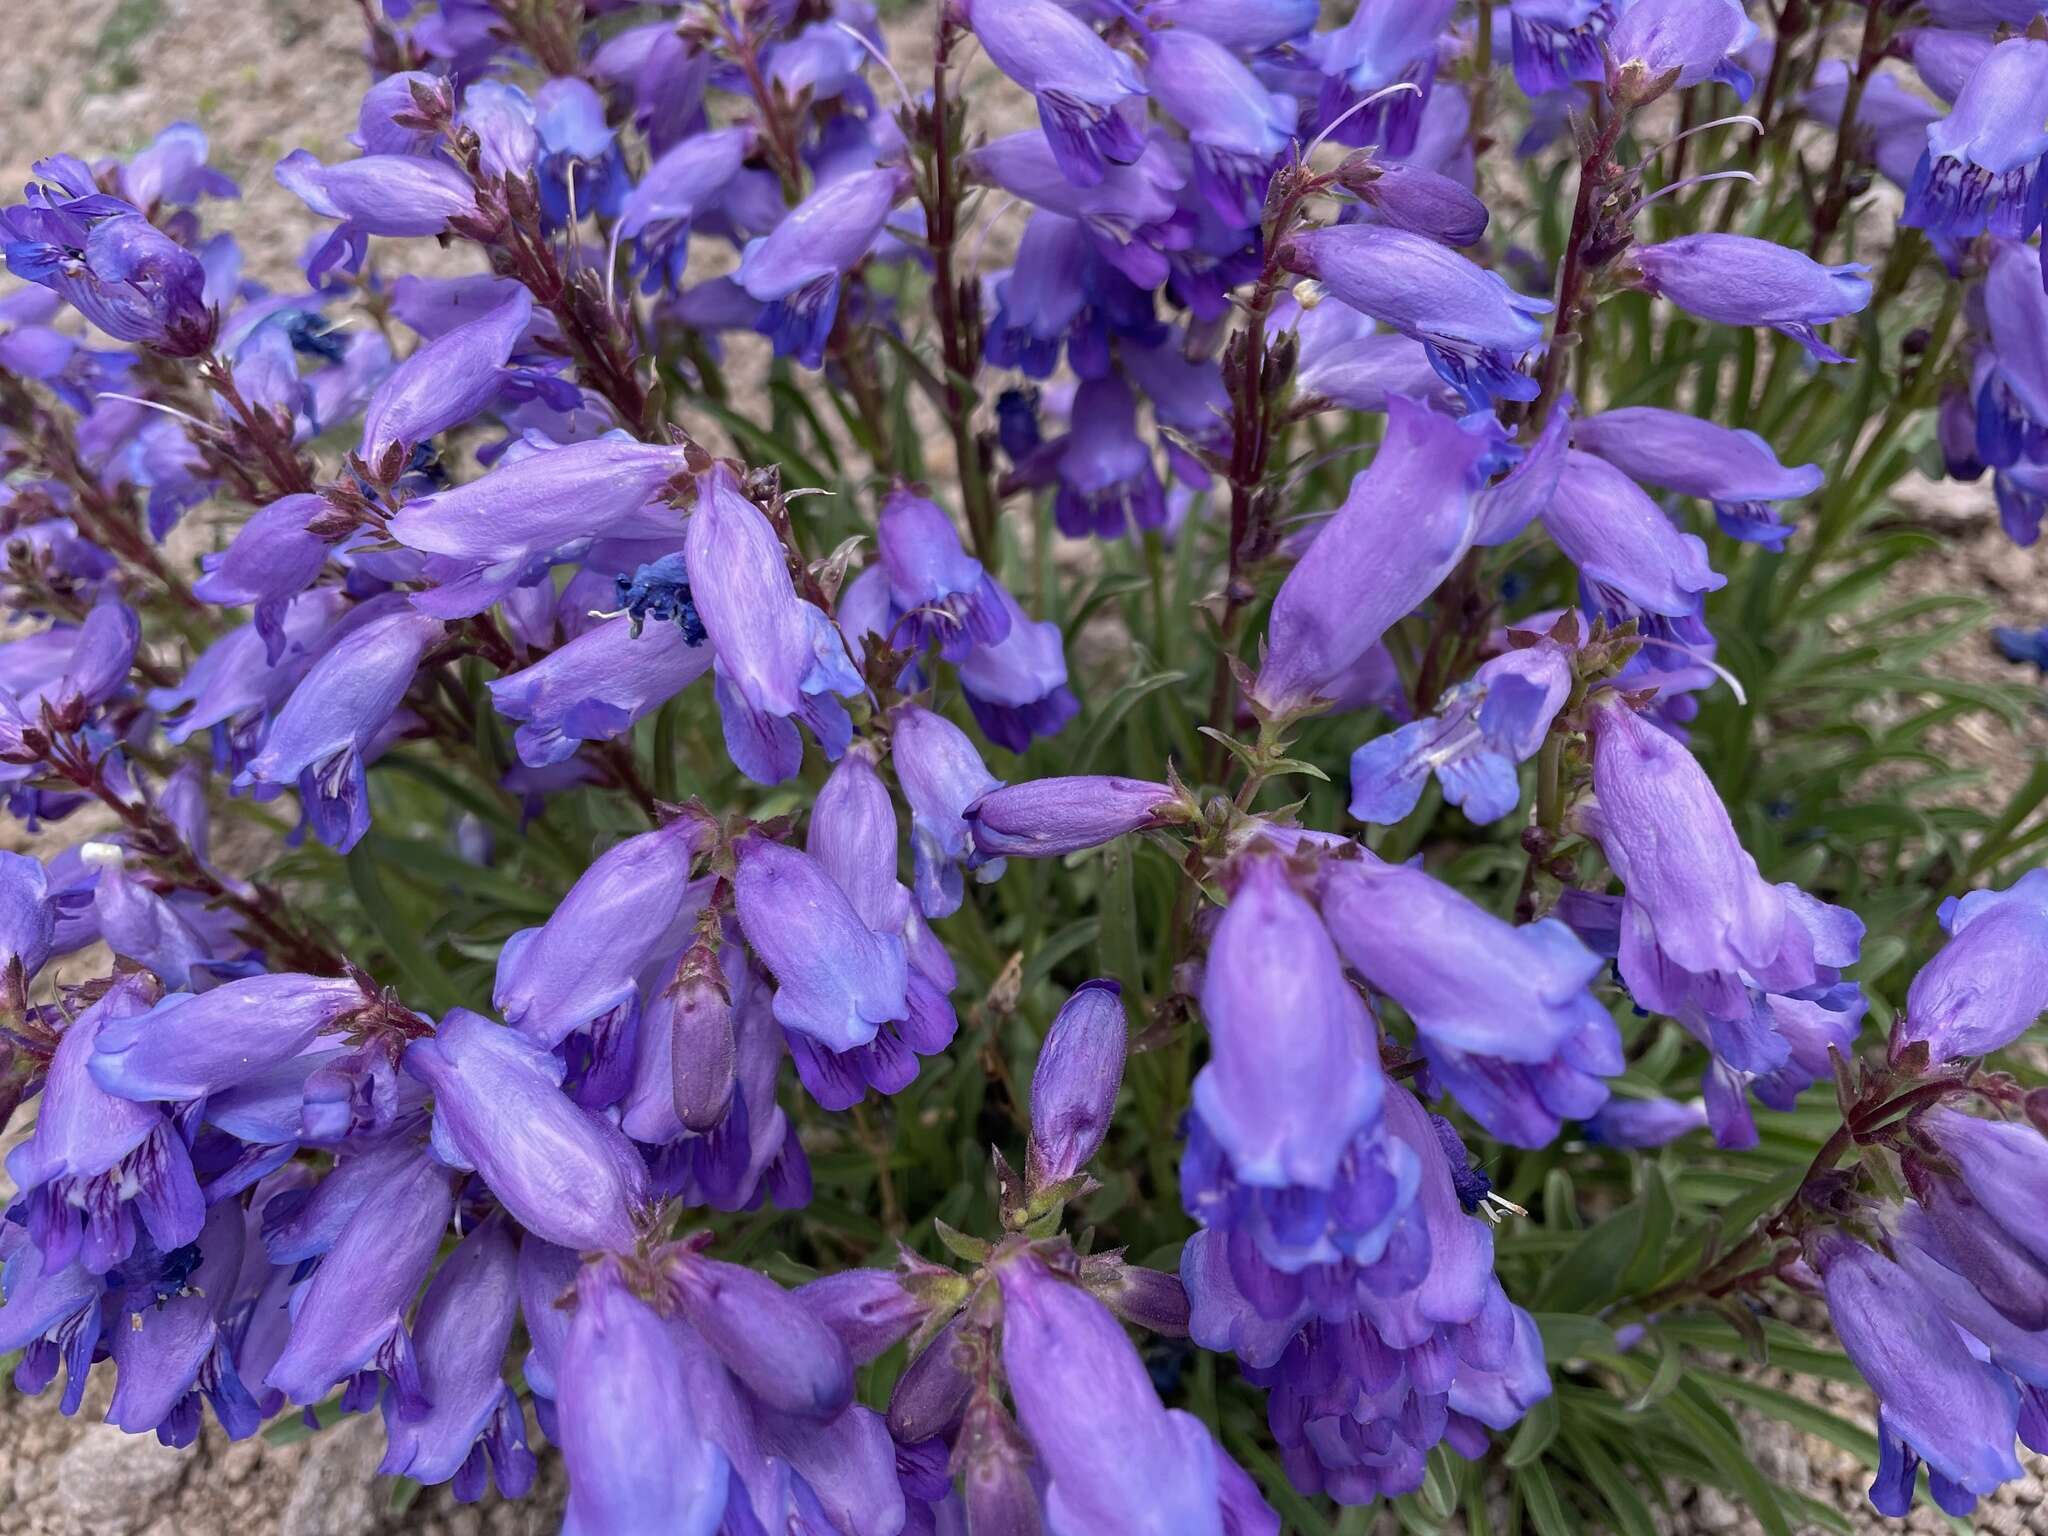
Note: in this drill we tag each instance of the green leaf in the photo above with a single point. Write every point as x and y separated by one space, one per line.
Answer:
1539 1496
1808 1418
1622 1503
430 985
1714 1435
1534 1434
1111 717
1658 1217
1590 1275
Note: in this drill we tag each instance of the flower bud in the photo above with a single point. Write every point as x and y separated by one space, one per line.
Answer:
1074 1087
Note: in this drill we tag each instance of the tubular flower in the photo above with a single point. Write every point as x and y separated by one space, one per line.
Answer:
1739 280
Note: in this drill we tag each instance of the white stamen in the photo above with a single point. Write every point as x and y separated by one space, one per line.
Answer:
1734 683
882 59
1495 1204
154 405
1380 95
1679 186
1719 122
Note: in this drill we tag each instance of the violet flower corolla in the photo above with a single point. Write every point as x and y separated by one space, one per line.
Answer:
1890 113
1732 468
187 1047
1080 83
507 528
1483 728
568 1176
597 687
1556 43
1108 484
1503 1014
779 657
1475 328
1235 126
272 559
941 774
1634 563
2012 392
1379 46
474 1427
766 1336
1114 1458
633 904
1422 202
941 593
1244 26
1074 1085
1359 576
1133 218
349 1317
1986 986
322 737
1641 1123
1017 688
444 384
682 186
1652 39
1045 818
794 270
107 260
1937 1401
1973 1184
401 195
1740 280
619 1389
1981 168
98 1171
1347 361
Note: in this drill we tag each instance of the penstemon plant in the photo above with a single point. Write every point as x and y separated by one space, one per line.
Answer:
1517 402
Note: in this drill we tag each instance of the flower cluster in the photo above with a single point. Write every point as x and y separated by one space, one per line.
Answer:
471 560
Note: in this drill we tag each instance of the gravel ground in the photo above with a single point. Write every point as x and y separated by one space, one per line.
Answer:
266 76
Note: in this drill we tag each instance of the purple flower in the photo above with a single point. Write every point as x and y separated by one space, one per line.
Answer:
1697 918
1074 1086
768 1337
271 560
1045 818
1017 687
568 1176
459 1335
780 658
620 1391
941 775
1645 1122
1406 522
188 1047
322 737
1936 1401
837 981
2012 395
350 1316
1987 985
1347 361
1633 561
1132 218
1734 469
1651 38
1293 1070
1981 167
1421 201
1107 479
501 117
1740 280
398 195
941 591
444 384
99 1169
597 687
1895 118
1504 1014
169 1341
796 267
108 261
1483 727
680 187
1080 82
1379 46
28 920
507 528
1237 127
1474 326
868 1309
1556 43
1115 1460
1245 26
1973 1195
